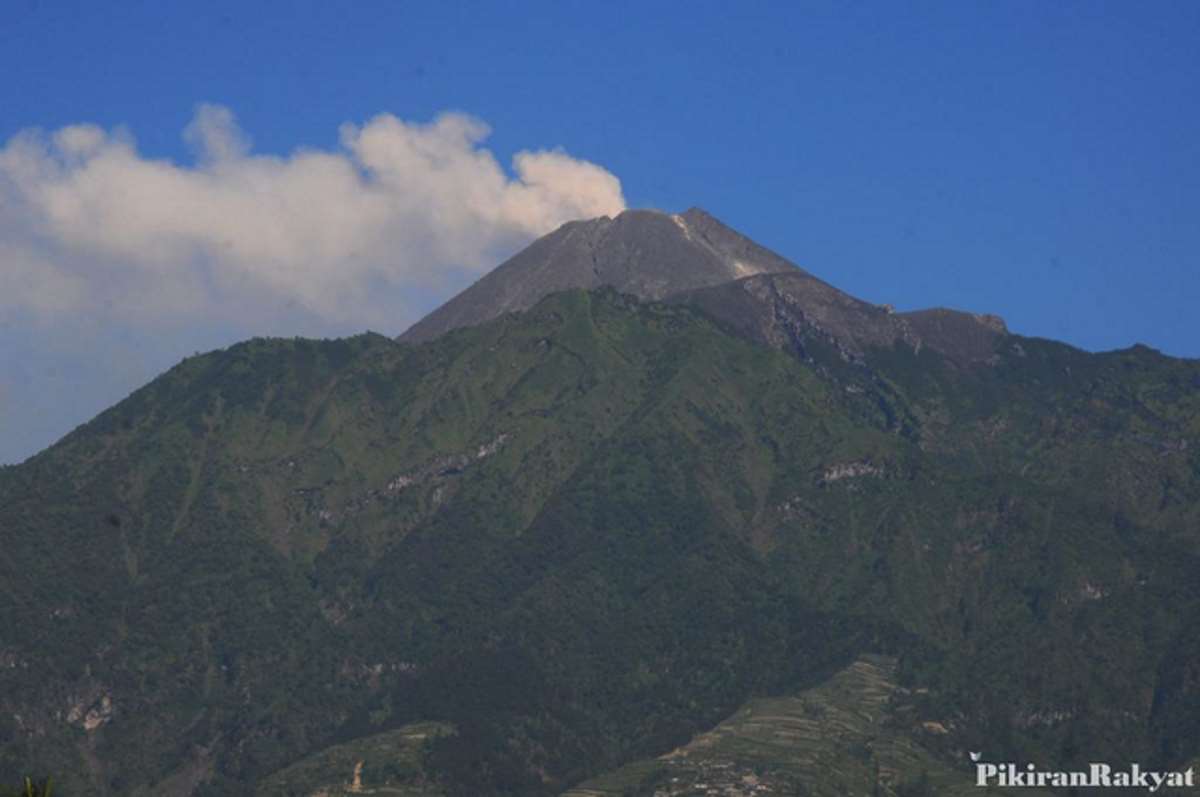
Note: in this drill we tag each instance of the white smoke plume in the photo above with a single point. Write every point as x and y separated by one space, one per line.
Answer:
87 220
115 265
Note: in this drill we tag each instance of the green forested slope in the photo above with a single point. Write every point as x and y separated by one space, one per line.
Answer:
581 535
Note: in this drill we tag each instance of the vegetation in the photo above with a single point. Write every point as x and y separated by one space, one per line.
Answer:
30 788
577 537
859 732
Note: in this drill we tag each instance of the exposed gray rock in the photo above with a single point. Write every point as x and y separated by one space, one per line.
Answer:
693 259
641 252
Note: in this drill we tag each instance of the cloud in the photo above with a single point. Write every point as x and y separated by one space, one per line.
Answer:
115 265
345 237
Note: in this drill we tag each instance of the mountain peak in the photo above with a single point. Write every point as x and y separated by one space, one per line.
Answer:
693 258
648 253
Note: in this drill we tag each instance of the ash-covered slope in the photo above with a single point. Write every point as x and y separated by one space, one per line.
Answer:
694 259
641 252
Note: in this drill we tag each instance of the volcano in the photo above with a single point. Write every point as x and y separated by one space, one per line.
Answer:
647 510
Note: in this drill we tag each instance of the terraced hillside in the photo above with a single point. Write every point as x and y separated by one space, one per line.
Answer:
389 764
857 733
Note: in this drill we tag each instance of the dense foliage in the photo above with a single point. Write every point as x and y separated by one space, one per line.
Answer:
580 535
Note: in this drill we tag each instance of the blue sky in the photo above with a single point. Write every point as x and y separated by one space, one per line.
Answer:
1036 160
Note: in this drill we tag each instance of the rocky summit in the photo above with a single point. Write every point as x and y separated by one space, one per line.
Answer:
644 253
694 259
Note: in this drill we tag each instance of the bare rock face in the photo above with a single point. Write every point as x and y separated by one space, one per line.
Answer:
641 252
692 258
